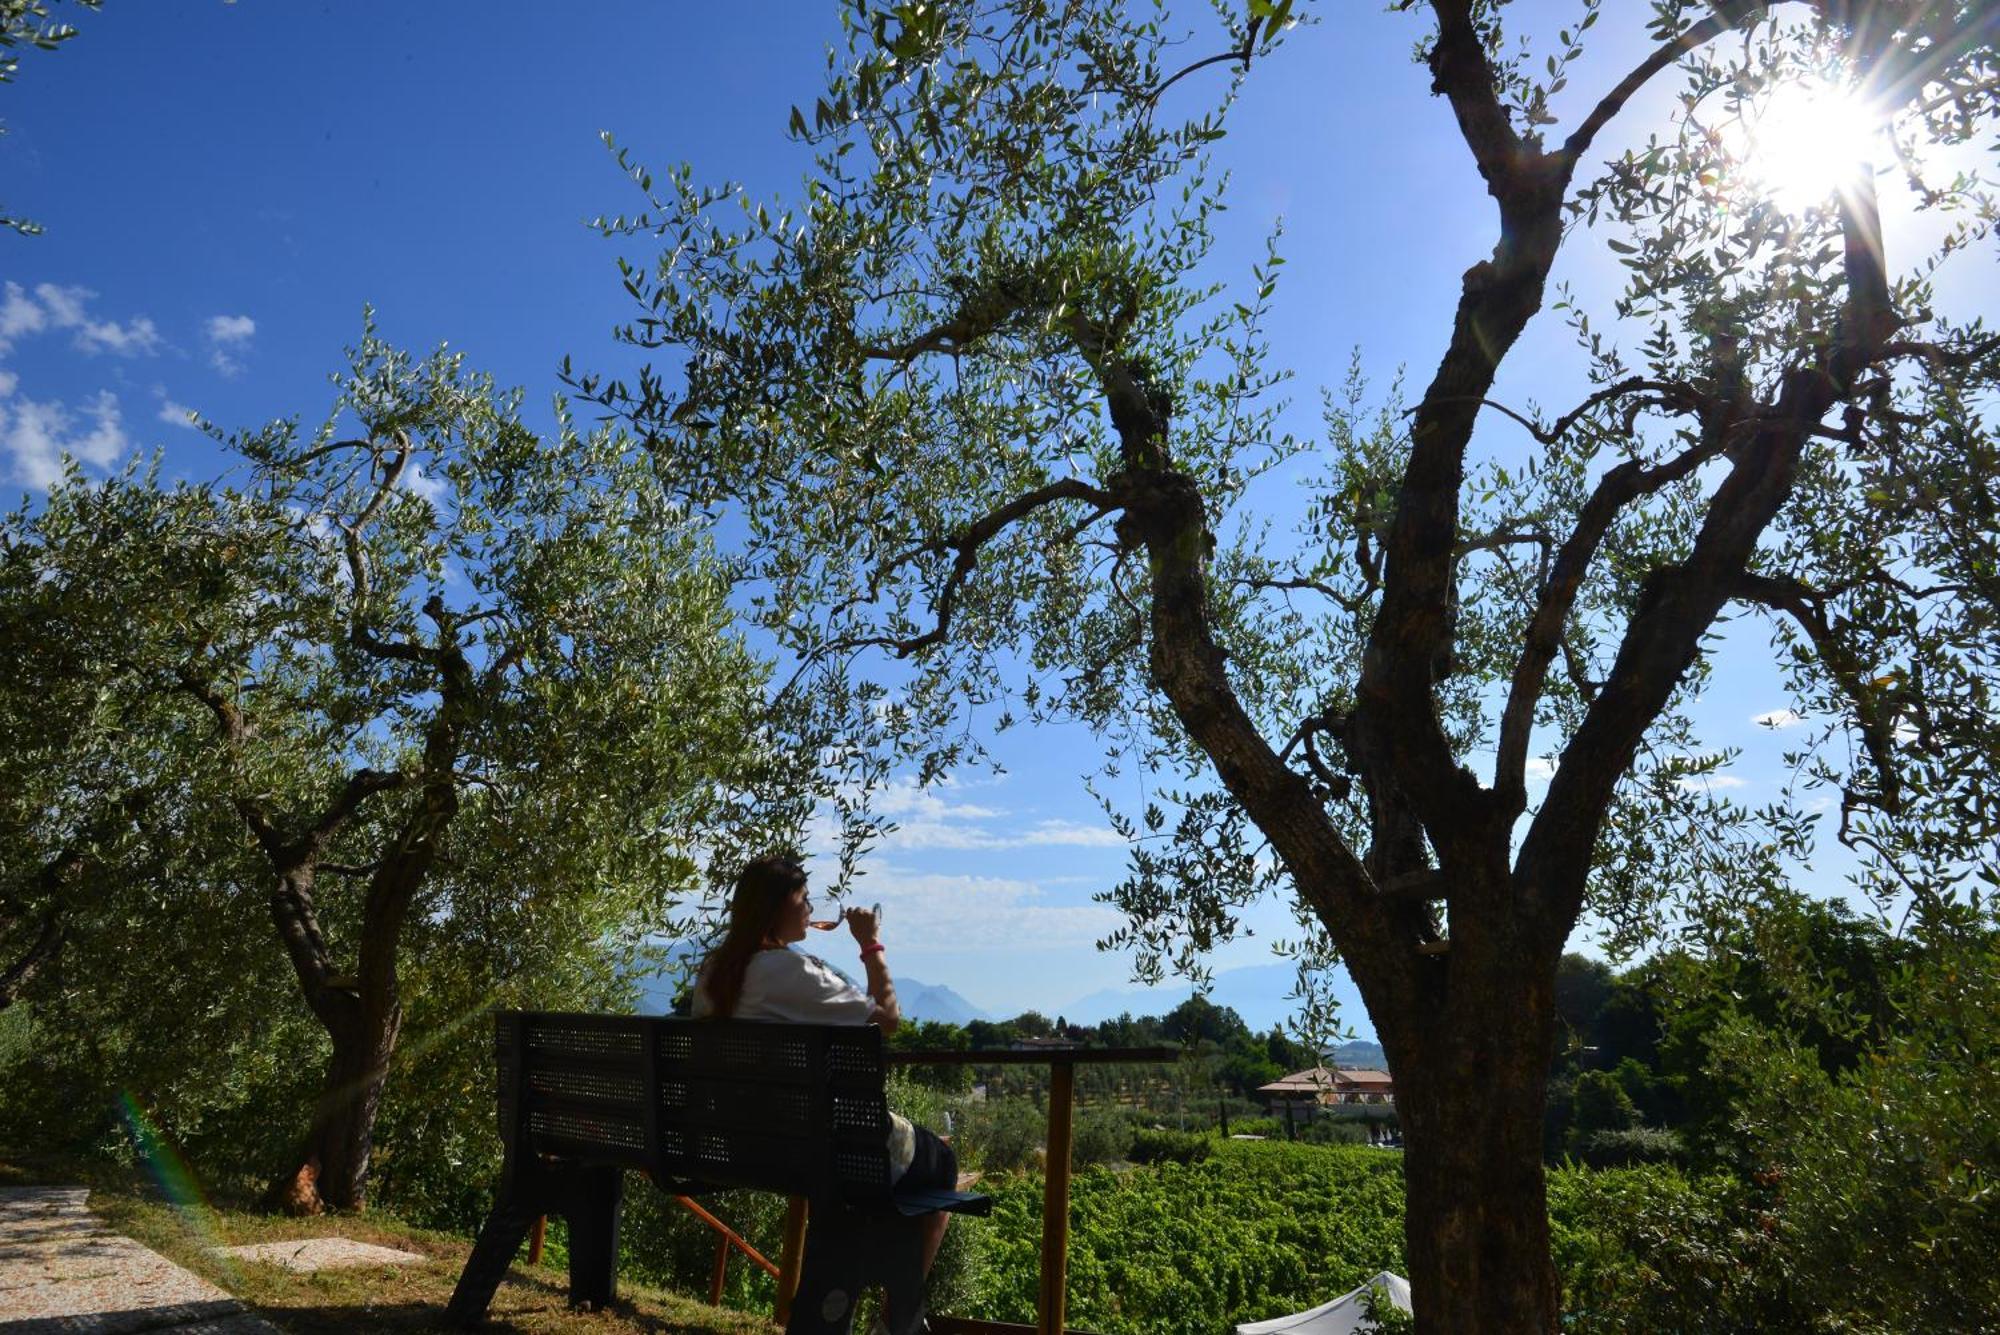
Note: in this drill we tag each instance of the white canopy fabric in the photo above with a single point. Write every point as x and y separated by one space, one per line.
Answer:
1345 1315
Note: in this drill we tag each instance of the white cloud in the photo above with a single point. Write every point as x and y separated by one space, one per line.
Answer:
904 798
1778 718
926 911
1711 783
37 436
63 304
8 381
917 834
55 307
926 819
1539 767
230 328
950 833
132 340
1067 832
424 485
228 337
177 414
19 315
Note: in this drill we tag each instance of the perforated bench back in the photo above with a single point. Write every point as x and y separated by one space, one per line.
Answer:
782 1107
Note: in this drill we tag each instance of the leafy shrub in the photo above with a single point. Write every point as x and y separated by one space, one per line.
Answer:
1887 1170
1100 1136
1600 1104
1255 1230
1649 1249
1001 1135
661 1243
1331 1131
1630 1145
1153 1145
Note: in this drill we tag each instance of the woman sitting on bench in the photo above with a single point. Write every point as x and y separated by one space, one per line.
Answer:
755 975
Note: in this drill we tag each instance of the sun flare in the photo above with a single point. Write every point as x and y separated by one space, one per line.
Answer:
1802 141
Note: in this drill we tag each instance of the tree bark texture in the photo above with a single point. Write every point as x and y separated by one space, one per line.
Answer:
15 976
1471 1067
344 1122
363 1018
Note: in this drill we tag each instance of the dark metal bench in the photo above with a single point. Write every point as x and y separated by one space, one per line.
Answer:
700 1105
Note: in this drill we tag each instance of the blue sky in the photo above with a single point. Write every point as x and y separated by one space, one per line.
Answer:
226 185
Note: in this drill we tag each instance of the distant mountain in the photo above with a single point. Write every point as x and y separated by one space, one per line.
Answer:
935 1001
1256 992
1359 1056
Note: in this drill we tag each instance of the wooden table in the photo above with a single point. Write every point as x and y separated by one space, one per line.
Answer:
1062 1063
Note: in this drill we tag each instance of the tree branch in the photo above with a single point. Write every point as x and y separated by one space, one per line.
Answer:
1678 604
1899 79
1725 17
1665 393
1943 358
1241 54
1163 514
359 633
1461 73
978 315
1494 541
1807 607
360 786
1307 585
1614 491
48 942
966 543
229 720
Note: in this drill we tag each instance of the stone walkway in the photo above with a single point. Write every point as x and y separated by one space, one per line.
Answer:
62 1271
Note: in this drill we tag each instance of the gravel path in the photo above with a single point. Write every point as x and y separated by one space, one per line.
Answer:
62 1271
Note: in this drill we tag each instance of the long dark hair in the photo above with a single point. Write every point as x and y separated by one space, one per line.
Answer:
762 888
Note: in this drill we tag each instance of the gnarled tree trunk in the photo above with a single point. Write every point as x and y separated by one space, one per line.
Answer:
1470 1083
334 1160
363 1014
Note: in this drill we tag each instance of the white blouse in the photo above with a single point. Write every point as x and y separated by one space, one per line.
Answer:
791 987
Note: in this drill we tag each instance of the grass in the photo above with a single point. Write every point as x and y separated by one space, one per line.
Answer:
411 1297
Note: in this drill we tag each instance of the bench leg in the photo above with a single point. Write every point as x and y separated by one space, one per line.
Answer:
595 1199
899 1268
831 1276
499 1240
848 1253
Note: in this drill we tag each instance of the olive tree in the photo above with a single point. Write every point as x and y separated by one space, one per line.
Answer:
438 669
99 759
993 437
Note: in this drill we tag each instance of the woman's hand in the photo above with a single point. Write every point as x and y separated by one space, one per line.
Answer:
861 922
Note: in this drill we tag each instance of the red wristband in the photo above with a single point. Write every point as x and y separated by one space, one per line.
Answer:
871 948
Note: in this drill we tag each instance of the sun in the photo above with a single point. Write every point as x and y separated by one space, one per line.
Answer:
1802 141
